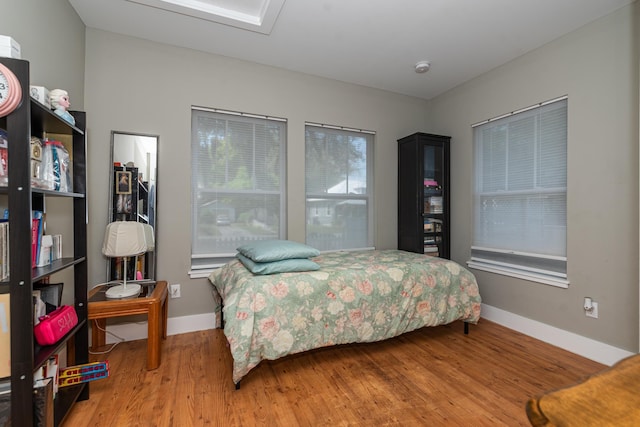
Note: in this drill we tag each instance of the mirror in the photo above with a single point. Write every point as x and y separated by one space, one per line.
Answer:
133 184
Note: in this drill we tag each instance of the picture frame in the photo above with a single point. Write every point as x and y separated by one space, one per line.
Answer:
123 182
124 194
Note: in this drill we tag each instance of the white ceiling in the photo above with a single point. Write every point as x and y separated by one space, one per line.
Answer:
373 43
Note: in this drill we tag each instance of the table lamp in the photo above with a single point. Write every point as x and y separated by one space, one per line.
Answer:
123 239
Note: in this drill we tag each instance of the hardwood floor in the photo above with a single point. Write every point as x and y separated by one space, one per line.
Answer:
430 377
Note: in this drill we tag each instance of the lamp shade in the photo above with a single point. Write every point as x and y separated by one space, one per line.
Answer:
149 238
127 238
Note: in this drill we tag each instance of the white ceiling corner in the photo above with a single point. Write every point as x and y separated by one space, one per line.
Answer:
252 15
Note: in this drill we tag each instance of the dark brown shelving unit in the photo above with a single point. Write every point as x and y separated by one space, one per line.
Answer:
423 194
32 118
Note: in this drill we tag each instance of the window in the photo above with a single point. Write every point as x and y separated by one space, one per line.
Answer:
238 184
520 196
338 187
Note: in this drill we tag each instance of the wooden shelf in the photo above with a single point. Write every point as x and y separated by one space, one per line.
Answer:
33 119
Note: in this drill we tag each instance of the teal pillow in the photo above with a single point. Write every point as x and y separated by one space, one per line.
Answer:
282 266
276 250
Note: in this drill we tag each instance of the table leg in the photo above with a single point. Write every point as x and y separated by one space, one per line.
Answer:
165 314
153 335
97 333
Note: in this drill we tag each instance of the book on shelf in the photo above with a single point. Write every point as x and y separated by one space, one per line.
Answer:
44 250
56 249
435 204
4 143
34 241
37 229
432 225
49 370
5 335
43 395
4 249
431 250
5 403
51 295
52 370
39 307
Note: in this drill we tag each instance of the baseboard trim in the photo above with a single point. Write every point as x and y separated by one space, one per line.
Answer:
583 346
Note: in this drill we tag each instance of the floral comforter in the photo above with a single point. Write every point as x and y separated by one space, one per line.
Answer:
361 296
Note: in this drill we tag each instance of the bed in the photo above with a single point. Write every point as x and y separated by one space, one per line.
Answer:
362 296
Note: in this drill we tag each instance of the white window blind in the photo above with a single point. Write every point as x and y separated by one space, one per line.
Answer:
238 183
520 196
339 187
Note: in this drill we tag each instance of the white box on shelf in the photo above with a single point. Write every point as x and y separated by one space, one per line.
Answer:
9 48
40 94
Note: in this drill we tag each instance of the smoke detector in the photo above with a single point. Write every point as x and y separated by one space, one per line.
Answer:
422 67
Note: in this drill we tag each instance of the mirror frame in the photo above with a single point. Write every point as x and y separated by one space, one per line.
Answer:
112 160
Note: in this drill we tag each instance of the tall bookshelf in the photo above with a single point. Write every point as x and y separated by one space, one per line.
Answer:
33 118
423 194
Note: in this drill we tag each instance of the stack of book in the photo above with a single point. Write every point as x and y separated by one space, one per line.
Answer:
433 236
435 204
431 250
44 248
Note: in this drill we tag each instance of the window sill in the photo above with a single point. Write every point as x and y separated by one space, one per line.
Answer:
202 273
532 277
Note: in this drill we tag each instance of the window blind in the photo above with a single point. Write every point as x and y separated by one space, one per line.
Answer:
238 183
520 194
339 187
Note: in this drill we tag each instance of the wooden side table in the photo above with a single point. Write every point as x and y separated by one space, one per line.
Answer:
152 301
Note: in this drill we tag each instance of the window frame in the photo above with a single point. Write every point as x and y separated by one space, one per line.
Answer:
551 268
201 265
368 197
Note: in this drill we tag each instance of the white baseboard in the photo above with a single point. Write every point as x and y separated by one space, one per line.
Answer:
175 326
586 347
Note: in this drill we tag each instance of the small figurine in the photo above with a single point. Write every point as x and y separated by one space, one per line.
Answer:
60 102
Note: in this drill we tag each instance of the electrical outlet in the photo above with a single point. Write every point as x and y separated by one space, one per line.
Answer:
174 290
593 312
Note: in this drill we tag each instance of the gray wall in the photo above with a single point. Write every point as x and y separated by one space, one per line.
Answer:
51 38
597 67
140 86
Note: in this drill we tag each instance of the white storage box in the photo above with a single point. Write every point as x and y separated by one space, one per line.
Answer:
9 48
41 94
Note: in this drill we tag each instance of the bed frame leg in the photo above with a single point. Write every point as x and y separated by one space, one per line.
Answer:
238 385
466 328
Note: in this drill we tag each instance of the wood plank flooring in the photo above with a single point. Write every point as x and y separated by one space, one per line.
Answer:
430 377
